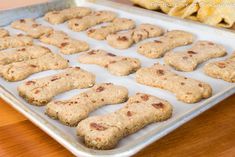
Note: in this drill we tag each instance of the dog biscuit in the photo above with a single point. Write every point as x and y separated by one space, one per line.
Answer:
91 20
105 131
199 53
72 111
22 54
3 33
31 28
20 70
222 69
57 17
40 91
167 42
66 44
117 65
186 89
124 40
118 24
15 41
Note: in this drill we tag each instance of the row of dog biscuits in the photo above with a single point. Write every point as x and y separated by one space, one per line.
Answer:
66 44
95 18
40 91
118 24
124 40
31 28
117 65
200 52
57 17
117 125
15 41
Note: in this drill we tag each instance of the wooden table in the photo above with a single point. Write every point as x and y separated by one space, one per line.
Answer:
210 134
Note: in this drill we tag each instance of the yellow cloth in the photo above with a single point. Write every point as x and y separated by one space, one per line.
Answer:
162 5
213 12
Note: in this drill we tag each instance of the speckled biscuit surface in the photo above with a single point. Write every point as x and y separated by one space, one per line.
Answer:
200 52
167 42
20 70
222 69
3 33
66 44
71 111
57 17
22 54
30 27
186 89
117 65
93 19
41 91
15 41
119 24
124 40
104 132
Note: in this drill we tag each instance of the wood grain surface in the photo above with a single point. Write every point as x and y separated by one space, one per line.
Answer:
212 134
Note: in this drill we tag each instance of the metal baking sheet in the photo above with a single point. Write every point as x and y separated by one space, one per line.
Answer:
133 143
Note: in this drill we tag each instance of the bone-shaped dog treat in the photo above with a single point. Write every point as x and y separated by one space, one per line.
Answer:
20 70
117 65
72 111
124 40
22 54
169 41
40 91
222 69
91 20
119 24
200 52
104 132
57 17
15 41
31 28
66 44
3 33
186 89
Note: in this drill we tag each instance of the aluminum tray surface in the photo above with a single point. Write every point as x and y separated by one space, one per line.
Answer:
133 143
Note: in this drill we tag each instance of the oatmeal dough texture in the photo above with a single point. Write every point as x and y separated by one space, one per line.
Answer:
57 17
17 71
72 111
186 89
124 40
190 59
82 24
118 24
40 91
66 44
117 65
167 42
105 131
31 27
224 69
15 41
